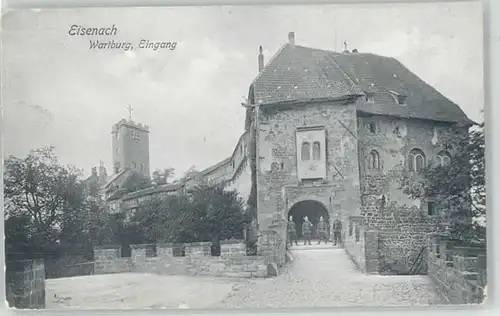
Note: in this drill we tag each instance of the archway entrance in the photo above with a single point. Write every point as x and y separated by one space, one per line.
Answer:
313 210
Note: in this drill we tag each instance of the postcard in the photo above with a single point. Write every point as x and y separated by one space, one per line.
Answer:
242 157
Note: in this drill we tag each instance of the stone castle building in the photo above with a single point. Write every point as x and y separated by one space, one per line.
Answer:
330 134
130 144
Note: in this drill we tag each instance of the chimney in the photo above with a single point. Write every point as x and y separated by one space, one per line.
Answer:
94 172
291 38
261 59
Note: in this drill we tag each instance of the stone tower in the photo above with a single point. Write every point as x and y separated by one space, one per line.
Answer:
130 147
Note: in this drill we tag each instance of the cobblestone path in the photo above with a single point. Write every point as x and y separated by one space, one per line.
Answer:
324 276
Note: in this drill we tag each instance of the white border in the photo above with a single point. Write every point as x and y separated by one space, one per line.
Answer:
492 111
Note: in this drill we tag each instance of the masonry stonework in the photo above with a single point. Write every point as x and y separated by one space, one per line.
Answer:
25 284
277 177
197 260
404 225
458 273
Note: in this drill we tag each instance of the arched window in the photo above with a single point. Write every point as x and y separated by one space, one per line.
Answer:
305 151
416 160
444 158
373 160
372 127
316 151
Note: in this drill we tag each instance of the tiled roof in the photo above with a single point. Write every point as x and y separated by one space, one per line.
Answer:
299 73
156 189
111 179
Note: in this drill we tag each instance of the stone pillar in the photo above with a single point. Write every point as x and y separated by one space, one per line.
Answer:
371 252
165 250
107 253
357 225
232 248
138 253
198 249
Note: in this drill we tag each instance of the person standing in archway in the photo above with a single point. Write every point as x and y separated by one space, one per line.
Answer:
307 230
322 231
292 231
337 230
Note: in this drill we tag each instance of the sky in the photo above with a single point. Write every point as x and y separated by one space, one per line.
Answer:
57 92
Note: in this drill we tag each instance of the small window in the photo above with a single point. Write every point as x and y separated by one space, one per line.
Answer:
401 99
316 151
373 160
397 131
305 151
444 158
372 127
416 160
282 165
431 208
135 135
369 97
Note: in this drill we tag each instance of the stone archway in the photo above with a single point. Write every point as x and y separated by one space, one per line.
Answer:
310 208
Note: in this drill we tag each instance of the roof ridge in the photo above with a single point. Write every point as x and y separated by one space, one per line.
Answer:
269 62
350 73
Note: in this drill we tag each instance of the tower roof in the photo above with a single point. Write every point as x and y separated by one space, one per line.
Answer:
298 73
130 123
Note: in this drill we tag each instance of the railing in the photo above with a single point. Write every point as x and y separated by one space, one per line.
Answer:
416 267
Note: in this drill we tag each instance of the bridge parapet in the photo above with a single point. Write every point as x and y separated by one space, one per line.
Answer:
457 271
361 244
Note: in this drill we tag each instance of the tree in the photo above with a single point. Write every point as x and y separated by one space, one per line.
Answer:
457 189
39 188
151 218
205 213
97 222
163 177
213 214
18 236
191 172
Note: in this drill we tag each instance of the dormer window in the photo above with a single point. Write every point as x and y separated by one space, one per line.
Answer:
401 99
370 97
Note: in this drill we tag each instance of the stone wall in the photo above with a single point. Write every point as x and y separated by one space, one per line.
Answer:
278 186
272 243
404 225
25 284
402 234
108 259
196 260
361 245
459 273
